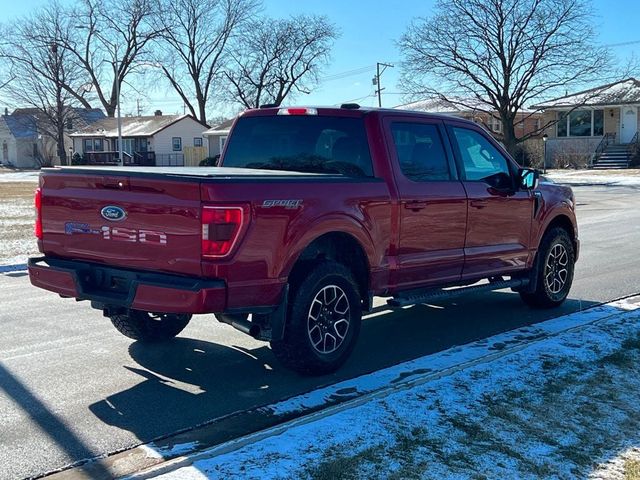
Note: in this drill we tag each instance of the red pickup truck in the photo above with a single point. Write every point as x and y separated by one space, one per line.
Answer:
313 212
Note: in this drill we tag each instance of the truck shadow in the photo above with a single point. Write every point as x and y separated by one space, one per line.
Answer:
186 382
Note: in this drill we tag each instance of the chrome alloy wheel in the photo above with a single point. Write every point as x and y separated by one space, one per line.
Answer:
556 269
328 319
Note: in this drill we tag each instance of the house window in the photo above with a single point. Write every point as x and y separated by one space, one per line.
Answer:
197 141
598 123
495 125
562 124
93 145
176 143
580 123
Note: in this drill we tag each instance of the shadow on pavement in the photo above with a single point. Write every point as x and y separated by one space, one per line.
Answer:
48 422
186 382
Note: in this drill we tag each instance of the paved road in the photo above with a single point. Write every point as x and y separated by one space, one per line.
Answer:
71 387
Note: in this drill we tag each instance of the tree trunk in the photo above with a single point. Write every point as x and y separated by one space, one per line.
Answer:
62 153
509 134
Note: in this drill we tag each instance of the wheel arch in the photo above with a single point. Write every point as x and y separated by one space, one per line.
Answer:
341 247
562 221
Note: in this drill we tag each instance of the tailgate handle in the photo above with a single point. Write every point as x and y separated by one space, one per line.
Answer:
115 183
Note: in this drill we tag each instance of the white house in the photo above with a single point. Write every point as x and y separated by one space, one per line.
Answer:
600 125
25 136
161 140
217 137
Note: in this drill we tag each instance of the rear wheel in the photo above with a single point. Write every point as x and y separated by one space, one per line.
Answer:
150 327
555 270
323 321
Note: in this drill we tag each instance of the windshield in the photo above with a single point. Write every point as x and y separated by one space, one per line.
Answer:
305 143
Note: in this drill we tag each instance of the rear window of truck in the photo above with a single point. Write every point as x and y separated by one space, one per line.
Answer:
314 144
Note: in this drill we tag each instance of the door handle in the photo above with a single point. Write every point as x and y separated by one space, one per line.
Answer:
415 206
479 204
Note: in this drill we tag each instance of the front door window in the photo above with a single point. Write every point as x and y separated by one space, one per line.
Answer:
480 159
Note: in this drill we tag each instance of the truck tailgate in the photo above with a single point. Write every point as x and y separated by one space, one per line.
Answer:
151 224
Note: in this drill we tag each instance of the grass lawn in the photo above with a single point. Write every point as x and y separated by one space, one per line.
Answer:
17 215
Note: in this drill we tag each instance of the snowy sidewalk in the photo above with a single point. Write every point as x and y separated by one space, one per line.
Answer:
627 178
563 404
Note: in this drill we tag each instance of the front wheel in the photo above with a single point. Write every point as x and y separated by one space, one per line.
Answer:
150 327
555 270
323 321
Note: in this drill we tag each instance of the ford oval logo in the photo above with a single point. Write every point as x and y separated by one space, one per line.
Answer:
113 213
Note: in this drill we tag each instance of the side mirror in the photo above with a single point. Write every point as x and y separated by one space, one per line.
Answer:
528 178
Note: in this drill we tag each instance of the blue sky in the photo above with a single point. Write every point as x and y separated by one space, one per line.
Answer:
369 29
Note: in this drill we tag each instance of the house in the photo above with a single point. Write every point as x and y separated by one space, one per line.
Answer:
597 127
527 122
162 140
217 137
26 136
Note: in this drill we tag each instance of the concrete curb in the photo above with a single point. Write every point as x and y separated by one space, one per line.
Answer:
18 267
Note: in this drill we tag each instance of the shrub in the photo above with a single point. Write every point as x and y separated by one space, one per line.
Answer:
210 161
78 159
530 153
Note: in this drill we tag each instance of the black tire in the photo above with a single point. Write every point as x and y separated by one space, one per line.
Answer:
150 327
305 337
556 253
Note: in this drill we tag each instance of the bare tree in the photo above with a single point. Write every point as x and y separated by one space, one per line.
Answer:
502 54
43 76
275 58
194 46
110 41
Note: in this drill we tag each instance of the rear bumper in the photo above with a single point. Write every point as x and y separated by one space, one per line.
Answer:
127 288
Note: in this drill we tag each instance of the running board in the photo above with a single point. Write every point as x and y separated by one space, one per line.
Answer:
439 294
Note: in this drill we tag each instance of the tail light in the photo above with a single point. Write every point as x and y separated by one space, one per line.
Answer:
37 230
220 229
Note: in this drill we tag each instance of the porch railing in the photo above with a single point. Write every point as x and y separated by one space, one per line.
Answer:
170 159
634 148
111 158
607 140
145 158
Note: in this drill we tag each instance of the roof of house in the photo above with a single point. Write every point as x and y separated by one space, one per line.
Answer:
455 106
437 105
222 128
23 122
618 93
131 126
21 126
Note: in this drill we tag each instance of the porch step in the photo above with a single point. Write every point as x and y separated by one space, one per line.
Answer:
613 157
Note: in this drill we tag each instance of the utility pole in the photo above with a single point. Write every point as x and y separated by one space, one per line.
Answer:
117 79
138 104
376 80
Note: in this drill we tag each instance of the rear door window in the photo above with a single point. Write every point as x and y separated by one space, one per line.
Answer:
305 143
420 151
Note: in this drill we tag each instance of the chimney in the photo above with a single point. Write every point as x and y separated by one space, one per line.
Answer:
6 112
158 113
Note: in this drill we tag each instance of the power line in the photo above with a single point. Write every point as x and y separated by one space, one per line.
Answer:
623 44
347 73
